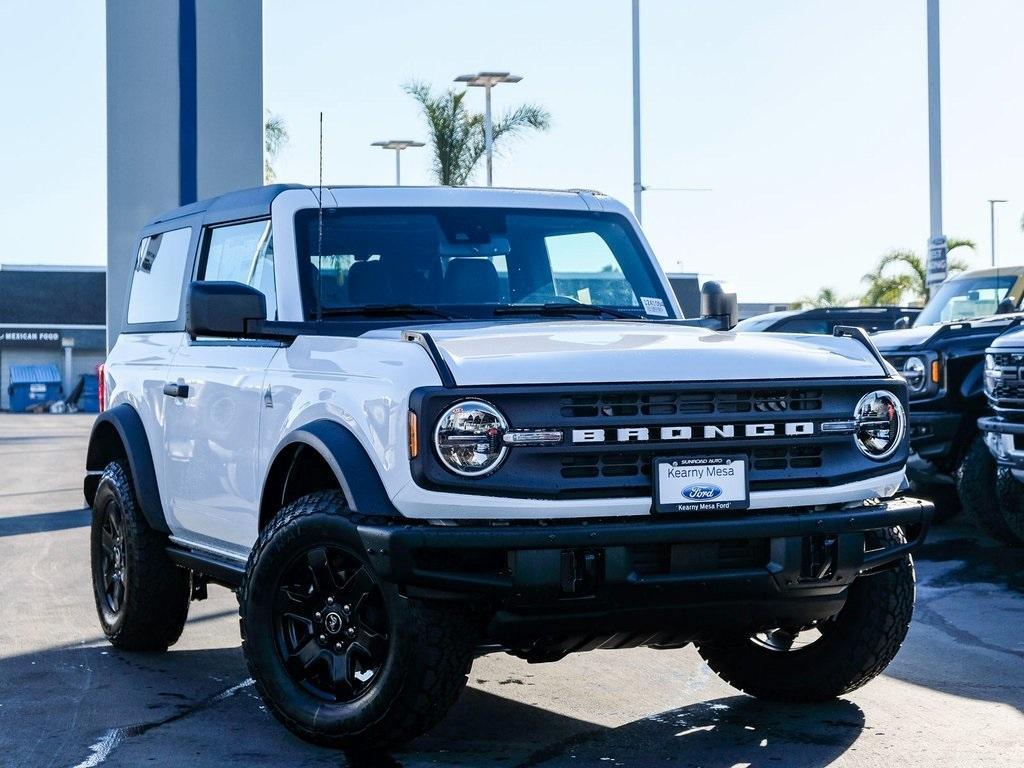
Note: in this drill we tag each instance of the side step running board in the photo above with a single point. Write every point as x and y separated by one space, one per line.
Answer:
217 569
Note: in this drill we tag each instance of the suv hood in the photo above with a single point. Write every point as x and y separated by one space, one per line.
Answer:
905 338
569 352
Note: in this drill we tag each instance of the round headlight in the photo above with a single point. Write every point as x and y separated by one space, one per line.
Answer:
915 372
881 424
469 438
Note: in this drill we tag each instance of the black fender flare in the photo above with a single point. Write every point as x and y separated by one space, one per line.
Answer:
133 449
348 460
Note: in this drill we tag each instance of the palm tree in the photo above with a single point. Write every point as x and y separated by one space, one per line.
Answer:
275 136
910 284
457 133
826 297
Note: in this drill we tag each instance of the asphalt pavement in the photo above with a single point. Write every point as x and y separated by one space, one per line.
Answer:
953 697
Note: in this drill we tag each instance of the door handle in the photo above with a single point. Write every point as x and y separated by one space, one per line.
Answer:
172 389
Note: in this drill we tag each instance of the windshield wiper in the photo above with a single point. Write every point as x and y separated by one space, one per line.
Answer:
557 309
386 310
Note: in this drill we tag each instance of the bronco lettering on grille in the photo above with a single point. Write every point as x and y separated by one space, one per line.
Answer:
704 432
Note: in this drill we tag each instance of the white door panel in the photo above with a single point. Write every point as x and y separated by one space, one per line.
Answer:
211 442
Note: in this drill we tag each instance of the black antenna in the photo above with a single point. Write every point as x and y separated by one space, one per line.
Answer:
320 229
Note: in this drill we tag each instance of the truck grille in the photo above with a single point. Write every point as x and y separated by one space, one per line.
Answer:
1008 394
673 403
609 467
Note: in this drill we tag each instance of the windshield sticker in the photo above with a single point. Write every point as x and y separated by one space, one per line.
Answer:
654 307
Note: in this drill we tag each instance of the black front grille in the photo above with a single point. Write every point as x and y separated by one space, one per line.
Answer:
685 402
600 464
1008 392
632 464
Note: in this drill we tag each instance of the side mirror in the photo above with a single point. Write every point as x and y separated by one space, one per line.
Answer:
902 323
222 308
718 304
1006 306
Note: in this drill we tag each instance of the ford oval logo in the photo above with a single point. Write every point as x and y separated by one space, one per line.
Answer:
702 492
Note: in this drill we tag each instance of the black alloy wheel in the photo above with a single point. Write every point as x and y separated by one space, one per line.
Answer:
331 624
114 561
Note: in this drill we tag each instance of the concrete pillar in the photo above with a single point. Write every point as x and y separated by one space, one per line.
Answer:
184 116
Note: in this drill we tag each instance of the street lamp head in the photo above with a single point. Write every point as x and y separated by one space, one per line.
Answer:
487 79
999 201
398 144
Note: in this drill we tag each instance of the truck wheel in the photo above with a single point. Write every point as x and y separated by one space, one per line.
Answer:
338 655
829 658
976 484
142 597
1011 504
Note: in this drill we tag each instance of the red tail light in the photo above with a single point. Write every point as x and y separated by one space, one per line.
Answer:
101 377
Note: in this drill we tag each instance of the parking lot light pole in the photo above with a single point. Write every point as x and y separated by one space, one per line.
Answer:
488 80
398 145
992 226
638 187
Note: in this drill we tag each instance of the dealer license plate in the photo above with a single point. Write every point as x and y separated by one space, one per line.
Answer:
700 484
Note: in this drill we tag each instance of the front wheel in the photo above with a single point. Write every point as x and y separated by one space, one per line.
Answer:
338 655
828 658
1010 492
976 484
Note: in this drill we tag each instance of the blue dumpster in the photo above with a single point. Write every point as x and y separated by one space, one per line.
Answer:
32 385
89 402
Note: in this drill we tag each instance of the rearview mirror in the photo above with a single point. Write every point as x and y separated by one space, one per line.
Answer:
215 308
716 303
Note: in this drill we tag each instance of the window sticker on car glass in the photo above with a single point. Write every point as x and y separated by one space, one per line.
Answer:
583 296
654 307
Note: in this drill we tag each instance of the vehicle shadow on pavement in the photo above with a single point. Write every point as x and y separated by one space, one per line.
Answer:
124 709
724 732
44 522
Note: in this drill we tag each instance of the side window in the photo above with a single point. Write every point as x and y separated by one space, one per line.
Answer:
158 278
584 268
243 253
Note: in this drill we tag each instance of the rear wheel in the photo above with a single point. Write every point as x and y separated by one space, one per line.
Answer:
338 655
142 597
976 484
827 658
1010 492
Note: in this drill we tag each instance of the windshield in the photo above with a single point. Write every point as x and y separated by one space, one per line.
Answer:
473 262
965 298
752 324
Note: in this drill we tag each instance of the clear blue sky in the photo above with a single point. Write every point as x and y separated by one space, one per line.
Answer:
807 118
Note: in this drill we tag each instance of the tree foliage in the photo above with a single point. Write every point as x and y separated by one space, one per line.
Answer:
275 137
457 133
826 297
901 276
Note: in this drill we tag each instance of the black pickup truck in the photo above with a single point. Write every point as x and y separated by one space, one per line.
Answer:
942 357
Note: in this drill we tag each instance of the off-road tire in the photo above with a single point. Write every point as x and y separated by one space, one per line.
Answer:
1010 493
976 484
864 638
428 659
156 591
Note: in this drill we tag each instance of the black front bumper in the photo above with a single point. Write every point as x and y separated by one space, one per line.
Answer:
758 566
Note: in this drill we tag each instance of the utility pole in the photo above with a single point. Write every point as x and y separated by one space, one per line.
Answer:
936 240
638 186
487 80
992 227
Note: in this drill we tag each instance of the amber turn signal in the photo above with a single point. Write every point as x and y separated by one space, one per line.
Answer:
414 435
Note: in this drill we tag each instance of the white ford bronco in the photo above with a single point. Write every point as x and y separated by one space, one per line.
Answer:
412 426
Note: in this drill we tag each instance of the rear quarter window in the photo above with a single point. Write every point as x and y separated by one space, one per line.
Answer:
159 271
